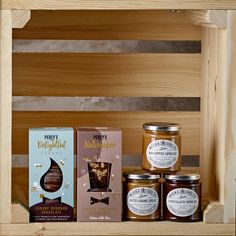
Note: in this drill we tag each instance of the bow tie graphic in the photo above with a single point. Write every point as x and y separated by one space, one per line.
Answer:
95 200
48 201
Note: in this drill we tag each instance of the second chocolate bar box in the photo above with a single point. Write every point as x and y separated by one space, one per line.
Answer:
99 179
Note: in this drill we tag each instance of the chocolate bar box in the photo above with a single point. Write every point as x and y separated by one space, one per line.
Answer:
99 191
51 174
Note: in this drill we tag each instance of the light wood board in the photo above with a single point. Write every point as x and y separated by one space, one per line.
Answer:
91 74
118 25
117 4
5 114
116 228
130 123
20 18
230 141
208 109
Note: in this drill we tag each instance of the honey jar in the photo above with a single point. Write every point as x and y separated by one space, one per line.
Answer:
142 196
182 197
161 147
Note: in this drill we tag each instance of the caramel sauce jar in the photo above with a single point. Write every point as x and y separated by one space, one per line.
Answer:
142 196
182 197
161 147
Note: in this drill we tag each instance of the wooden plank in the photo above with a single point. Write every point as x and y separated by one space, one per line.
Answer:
117 4
115 25
207 134
130 123
209 18
221 113
214 212
230 141
115 228
213 121
20 18
78 74
5 114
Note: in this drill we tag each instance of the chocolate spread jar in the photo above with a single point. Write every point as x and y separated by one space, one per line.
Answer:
142 193
182 197
161 147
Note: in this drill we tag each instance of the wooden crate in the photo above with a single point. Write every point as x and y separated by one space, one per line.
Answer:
209 75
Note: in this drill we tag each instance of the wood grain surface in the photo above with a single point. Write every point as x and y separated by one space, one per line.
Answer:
117 4
5 114
130 123
91 25
91 74
119 228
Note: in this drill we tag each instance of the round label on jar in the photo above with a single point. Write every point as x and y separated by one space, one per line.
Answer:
182 202
142 201
162 153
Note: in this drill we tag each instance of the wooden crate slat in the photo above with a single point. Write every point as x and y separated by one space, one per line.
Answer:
146 25
117 4
123 228
130 123
97 74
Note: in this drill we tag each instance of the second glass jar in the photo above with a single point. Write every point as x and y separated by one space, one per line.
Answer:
161 147
142 196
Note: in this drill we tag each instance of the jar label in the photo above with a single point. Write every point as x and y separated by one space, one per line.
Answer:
142 201
182 202
162 153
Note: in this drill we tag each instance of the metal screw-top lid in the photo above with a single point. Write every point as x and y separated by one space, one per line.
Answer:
140 174
184 176
161 126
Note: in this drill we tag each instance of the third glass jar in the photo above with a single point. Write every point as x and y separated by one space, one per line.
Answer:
161 147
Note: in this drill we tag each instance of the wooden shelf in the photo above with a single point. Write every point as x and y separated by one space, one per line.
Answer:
117 4
123 228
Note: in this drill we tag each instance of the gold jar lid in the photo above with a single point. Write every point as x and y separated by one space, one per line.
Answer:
183 176
140 174
161 126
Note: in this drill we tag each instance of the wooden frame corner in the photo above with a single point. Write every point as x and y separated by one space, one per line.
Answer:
209 18
20 18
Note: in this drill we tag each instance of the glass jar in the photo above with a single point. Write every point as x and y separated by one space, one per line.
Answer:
141 193
161 147
182 197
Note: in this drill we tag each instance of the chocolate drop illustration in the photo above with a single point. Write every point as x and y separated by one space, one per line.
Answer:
52 180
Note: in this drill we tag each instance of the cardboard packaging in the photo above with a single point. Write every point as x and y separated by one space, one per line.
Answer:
51 174
99 174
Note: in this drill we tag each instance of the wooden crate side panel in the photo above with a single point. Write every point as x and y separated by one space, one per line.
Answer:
130 123
109 25
78 74
207 134
221 104
230 141
213 111
5 114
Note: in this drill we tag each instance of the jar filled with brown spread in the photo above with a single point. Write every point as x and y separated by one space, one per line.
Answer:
182 197
161 147
142 196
